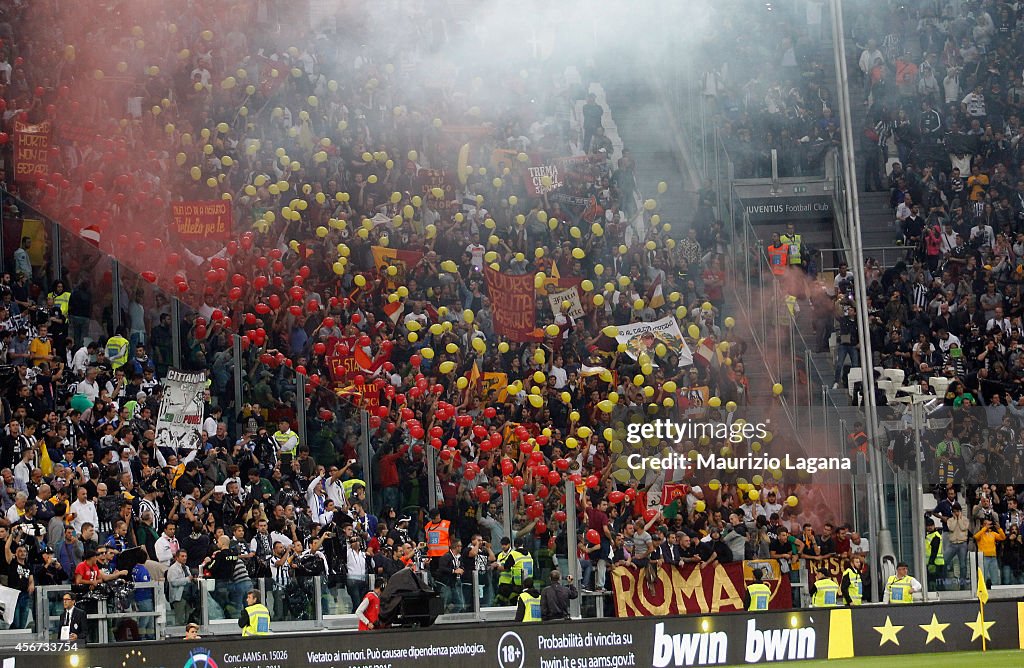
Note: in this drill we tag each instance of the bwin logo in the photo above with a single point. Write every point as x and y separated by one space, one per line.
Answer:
778 644
688 649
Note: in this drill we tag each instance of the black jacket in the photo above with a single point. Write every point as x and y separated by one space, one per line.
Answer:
554 601
77 627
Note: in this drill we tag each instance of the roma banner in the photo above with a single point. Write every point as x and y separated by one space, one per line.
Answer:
181 410
512 299
644 337
32 150
687 589
202 220
403 260
572 295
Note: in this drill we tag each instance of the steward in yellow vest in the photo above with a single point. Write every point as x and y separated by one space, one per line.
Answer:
528 608
758 593
255 618
851 586
826 591
900 587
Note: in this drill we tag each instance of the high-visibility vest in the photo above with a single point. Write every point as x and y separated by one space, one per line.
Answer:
117 351
826 594
62 301
940 560
259 621
505 576
900 589
856 589
760 594
778 259
372 611
522 568
282 437
531 605
438 540
794 242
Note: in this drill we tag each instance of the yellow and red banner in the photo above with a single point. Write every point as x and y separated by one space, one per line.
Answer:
402 260
681 590
32 150
202 220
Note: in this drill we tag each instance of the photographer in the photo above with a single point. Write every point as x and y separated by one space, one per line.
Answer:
554 600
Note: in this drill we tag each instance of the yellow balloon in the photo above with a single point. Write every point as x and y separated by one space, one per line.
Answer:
714 402
551 330
730 322
669 386
360 280
777 389
700 506
598 300
446 367
662 187
462 382
479 345
503 347
791 501
693 331
537 401
427 353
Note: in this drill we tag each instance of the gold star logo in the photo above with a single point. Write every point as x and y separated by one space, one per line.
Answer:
934 630
888 632
979 628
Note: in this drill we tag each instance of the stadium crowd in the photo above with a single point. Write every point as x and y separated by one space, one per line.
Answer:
942 90
327 150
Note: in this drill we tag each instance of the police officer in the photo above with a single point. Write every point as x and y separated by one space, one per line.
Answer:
255 618
758 593
824 592
900 588
851 586
528 608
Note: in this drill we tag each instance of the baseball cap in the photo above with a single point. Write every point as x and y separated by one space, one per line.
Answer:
220 489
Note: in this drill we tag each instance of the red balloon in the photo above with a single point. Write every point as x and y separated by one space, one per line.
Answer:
469 473
295 310
554 477
631 493
200 331
300 370
616 497
528 499
540 528
650 514
495 439
507 466
484 496
558 516
235 293
480 431
543 492
238 280
562 464
490 412
183 287
320 348
274 301
593 537
149 276
217 315
592 481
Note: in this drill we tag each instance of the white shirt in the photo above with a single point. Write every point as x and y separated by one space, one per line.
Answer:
84 512
80 361
863 548
356 563
477 253
165 549
560 376
944 346
89 389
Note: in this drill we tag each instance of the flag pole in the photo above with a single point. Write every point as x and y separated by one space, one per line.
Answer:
984 645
